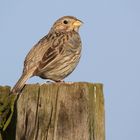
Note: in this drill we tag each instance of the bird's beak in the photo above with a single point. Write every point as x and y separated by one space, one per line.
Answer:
77 23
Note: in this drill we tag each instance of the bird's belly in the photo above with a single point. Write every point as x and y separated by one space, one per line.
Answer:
59 70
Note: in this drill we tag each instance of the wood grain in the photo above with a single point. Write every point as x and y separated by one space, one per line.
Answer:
60 111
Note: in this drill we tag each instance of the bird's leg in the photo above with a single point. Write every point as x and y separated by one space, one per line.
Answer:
48 81
61 81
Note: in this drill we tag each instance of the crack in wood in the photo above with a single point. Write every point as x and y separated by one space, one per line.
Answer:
56 114
50 120
36 116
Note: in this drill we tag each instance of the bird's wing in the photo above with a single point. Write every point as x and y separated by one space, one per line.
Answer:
56 51
51 54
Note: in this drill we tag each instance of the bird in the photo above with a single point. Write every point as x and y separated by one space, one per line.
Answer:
56 55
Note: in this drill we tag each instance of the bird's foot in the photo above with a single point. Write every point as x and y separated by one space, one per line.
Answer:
60 81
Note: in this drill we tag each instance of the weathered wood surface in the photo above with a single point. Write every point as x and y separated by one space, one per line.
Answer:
59 111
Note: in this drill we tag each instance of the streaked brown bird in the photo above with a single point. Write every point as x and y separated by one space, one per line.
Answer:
56 55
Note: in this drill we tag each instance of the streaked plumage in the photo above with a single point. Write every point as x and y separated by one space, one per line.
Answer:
56 55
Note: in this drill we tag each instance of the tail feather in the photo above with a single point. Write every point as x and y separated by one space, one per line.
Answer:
20 83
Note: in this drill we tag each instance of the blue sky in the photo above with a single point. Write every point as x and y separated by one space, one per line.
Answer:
110 55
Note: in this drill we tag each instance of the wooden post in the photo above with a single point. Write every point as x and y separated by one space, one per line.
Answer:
58 111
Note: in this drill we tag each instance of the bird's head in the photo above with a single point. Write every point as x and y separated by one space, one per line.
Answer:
66 24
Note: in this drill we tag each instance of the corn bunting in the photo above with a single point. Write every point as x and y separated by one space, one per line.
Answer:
56 55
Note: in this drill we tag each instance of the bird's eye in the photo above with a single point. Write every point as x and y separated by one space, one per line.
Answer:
65 22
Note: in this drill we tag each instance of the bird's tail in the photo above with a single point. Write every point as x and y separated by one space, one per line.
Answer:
20 83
